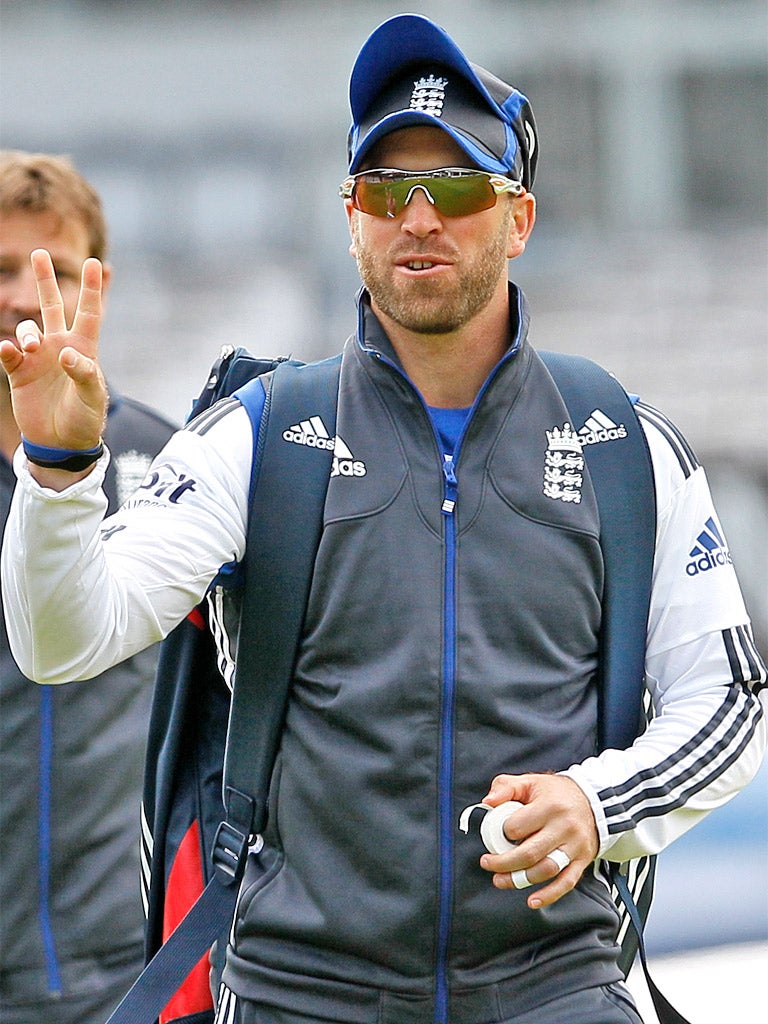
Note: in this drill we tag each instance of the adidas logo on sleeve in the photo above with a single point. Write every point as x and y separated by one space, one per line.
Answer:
709 551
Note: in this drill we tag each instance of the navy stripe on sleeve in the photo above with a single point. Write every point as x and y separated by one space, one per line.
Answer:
683 451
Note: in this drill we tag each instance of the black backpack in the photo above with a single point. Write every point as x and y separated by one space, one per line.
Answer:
205 801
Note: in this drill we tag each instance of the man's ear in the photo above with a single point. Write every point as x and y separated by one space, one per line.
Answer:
521 223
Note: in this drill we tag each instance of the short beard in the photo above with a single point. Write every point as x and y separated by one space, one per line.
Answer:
425 307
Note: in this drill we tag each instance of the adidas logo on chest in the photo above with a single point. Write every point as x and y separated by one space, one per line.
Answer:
600 427
313 433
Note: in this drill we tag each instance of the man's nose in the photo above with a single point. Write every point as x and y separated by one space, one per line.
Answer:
420 215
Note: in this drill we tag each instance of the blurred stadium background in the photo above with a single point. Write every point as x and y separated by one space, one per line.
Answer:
216 134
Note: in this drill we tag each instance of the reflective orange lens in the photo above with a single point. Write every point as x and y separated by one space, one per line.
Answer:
453 191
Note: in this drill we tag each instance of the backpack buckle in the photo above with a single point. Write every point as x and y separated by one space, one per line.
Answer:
229 853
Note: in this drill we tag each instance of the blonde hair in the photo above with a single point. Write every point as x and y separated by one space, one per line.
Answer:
42 183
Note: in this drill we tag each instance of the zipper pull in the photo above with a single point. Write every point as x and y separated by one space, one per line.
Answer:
451 486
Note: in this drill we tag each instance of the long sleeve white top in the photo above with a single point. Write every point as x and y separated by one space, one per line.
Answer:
81 594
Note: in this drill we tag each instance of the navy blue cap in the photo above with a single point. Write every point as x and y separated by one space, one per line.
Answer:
410 72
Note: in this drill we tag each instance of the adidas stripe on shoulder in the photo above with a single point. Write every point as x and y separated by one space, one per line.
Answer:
677 443
210 417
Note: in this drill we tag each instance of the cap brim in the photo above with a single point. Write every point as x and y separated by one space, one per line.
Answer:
479 156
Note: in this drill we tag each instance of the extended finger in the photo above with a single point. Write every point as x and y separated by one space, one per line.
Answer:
48 294
88 314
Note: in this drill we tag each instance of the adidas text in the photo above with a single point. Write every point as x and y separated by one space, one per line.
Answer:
707 561
310 440
605 434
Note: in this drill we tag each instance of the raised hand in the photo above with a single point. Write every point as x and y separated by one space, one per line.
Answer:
57 389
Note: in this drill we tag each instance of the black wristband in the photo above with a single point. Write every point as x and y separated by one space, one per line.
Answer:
71 460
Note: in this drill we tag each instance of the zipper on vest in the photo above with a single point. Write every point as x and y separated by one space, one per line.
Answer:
445 783
451 486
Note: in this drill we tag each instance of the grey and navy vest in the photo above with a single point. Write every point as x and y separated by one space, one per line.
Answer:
451 635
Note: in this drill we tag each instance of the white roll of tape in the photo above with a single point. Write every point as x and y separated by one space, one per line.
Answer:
492 827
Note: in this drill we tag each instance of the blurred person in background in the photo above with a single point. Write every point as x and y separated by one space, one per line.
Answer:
451 645
71 758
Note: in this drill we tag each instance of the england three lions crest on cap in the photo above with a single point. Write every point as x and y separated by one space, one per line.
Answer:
429 95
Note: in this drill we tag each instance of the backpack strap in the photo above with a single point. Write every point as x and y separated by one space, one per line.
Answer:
622 476
287 499
288 488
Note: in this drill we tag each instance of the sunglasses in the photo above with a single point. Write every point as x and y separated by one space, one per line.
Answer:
454 191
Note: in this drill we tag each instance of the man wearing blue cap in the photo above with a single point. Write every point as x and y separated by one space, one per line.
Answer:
451 641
